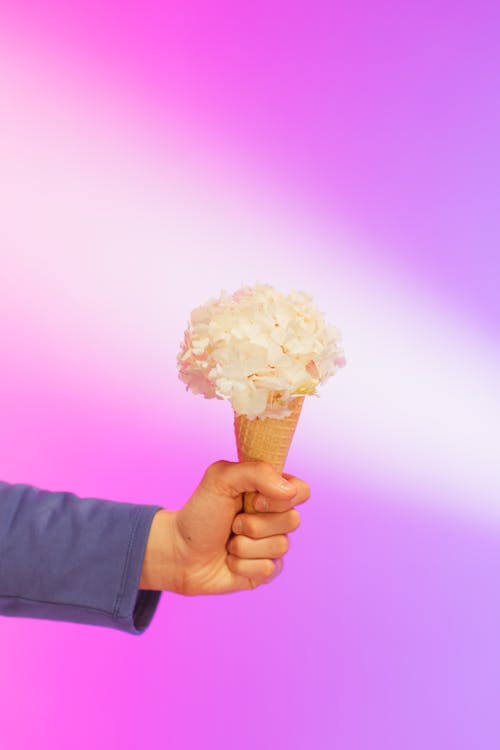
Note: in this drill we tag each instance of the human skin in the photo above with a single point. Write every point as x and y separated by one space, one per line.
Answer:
210 546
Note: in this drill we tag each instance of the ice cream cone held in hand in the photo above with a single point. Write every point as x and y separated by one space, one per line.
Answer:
263 351
265 440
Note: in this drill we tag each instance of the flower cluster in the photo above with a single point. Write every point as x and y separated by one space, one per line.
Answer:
258 349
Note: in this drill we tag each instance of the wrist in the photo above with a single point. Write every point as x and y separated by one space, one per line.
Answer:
160 566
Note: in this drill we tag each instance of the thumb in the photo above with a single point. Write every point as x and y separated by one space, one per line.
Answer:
205 520
234 478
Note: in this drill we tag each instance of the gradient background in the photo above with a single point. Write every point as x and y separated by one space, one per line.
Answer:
154 153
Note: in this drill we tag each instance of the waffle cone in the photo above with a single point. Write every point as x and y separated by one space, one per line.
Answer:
265 440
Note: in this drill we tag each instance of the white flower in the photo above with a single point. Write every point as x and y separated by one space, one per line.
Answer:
258 349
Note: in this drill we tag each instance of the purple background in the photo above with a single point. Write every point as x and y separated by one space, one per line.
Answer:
154 153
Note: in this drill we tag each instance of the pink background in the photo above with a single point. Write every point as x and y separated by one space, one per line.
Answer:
154 153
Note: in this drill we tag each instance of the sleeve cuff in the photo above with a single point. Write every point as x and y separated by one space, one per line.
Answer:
134 608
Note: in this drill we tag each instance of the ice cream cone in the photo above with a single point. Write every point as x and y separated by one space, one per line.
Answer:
265 440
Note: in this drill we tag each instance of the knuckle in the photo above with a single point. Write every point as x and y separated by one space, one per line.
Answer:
216 468
267 568
303 489
211 472
295 519
283 545
239 525
217 475
251 526
237 544
246 548
236 565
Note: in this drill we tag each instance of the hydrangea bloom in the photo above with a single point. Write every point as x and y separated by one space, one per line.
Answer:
258 349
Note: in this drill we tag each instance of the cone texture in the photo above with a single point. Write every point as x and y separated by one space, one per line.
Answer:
265 440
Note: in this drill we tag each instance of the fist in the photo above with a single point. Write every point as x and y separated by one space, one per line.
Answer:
211 546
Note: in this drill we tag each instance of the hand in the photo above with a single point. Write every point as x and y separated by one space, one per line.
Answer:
192 550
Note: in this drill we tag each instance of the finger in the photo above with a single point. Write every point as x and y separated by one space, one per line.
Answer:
264 504
303 489
259 525
254 571
232 479
253 549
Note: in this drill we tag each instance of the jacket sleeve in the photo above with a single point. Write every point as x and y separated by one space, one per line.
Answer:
75 559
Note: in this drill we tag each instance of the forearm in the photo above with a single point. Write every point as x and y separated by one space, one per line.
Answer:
79 560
